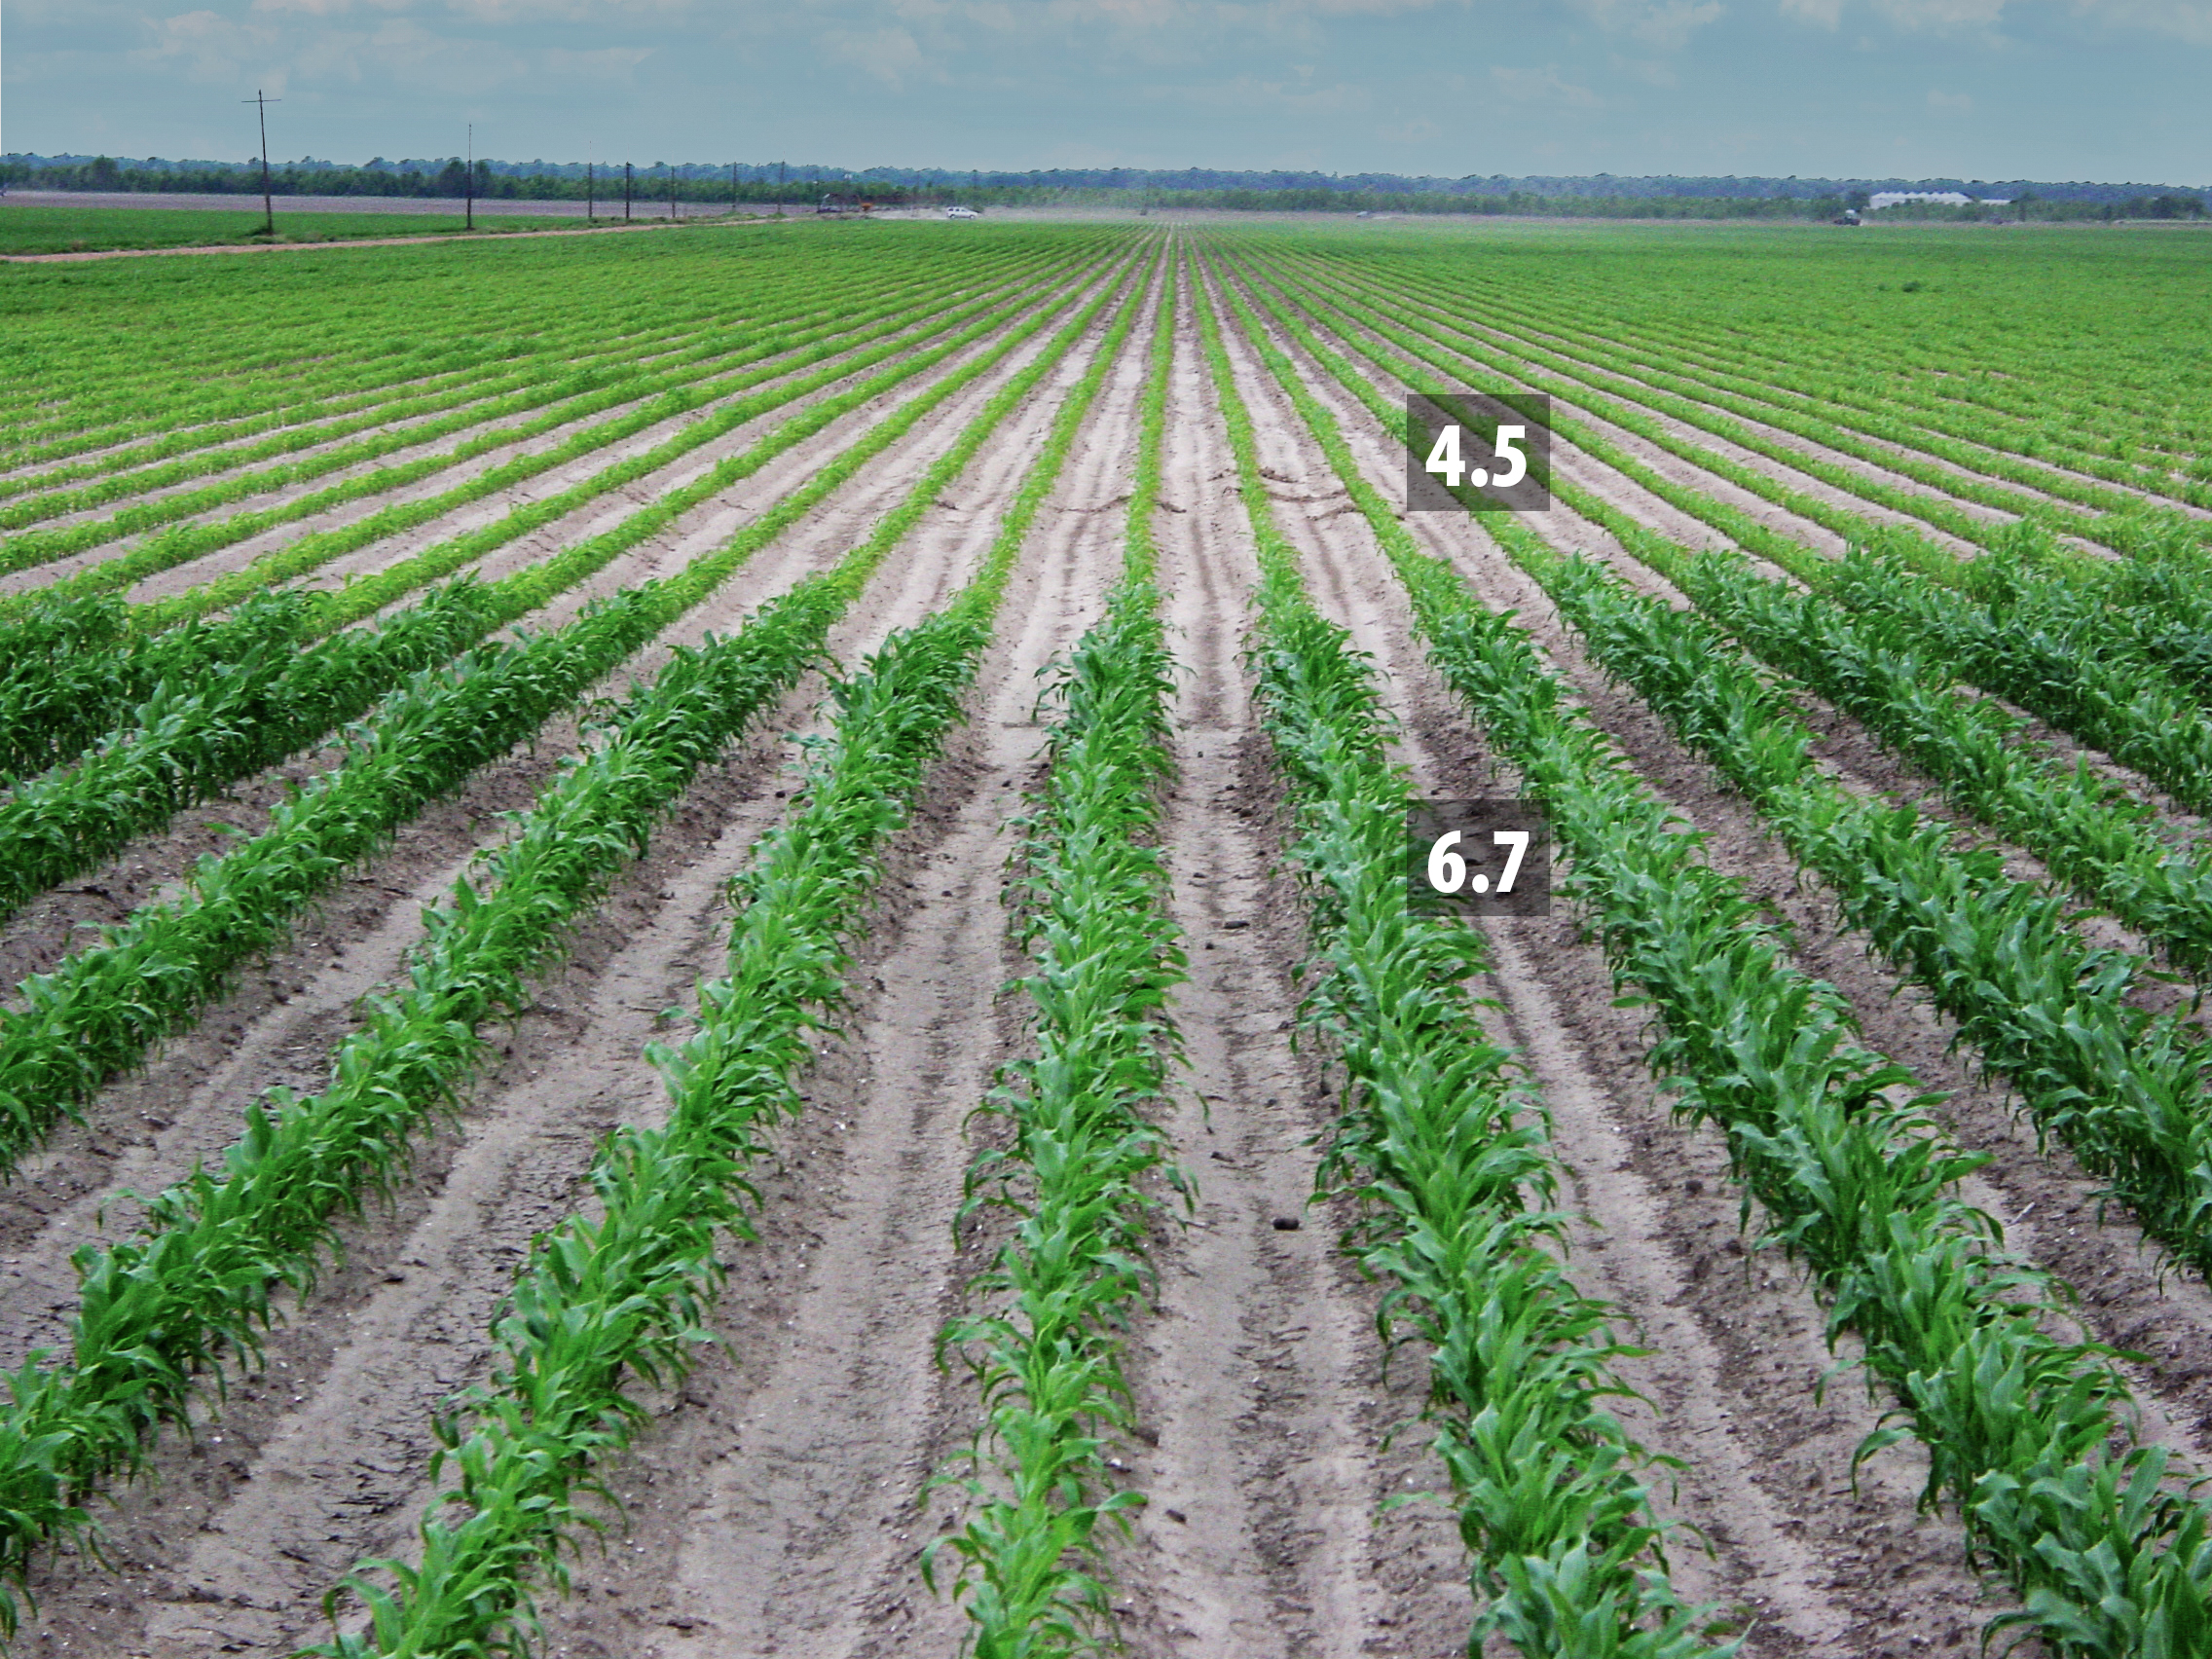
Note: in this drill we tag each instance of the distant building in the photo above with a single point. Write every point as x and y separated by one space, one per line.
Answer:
1882 199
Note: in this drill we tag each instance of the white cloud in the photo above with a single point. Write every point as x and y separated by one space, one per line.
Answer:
213 48
1419 131
1664 25
1652 71
1543 86
1959 103
2190 21
889 55
1249 95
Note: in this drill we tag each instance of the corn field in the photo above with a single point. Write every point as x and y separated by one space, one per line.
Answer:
713 950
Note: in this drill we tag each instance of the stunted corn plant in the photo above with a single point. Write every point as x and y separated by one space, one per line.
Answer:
608 1302
1078 1178
1448 1156
2030 1436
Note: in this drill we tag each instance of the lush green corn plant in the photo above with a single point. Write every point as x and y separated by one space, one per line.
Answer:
667 393
1449 1157
121 476
194 737
2123 706
53 707
2120 1088
1965 470
192 741
224 444
2048 429
100 1012
2124 1090
2109 845
606 1303
2030 1436
828 354
160 1312
2049 651
628 379
1076 1178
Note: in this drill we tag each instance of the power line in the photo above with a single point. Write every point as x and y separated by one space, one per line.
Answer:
268 202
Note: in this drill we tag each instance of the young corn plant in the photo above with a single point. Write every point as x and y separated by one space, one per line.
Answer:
1448 1156
828 354
2033 1438
612 1303
192 741
2112 847
668 389
102 1010
192 1291
2087 678
604 1304
1077 1176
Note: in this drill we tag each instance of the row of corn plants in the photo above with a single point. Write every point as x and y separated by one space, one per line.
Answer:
2128 526
615 1301
691 330
1874 435
1075 1179
2027 404
2110 846
1438 340
2078 428
2108 696
1581 389
319 419
38 497
55 703
709 374
193 1289
191 738
2053 653
911 354
2124 1090
395 327
2031 1437
1449 1159
101 1010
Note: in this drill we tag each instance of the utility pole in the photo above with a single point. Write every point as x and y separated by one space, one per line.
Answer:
733 190
268 202
625 193
588 203
469 188
671 189
779 189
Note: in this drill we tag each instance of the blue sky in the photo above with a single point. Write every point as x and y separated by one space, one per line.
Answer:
2107 90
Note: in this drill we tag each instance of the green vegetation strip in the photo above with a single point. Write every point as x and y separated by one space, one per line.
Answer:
103 1009
1075 1178
2124 1090
611 1301
119 476
164 1308
2110 847
662 394
2070 429
2032 1437
2087 679
194 737
1450 1160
